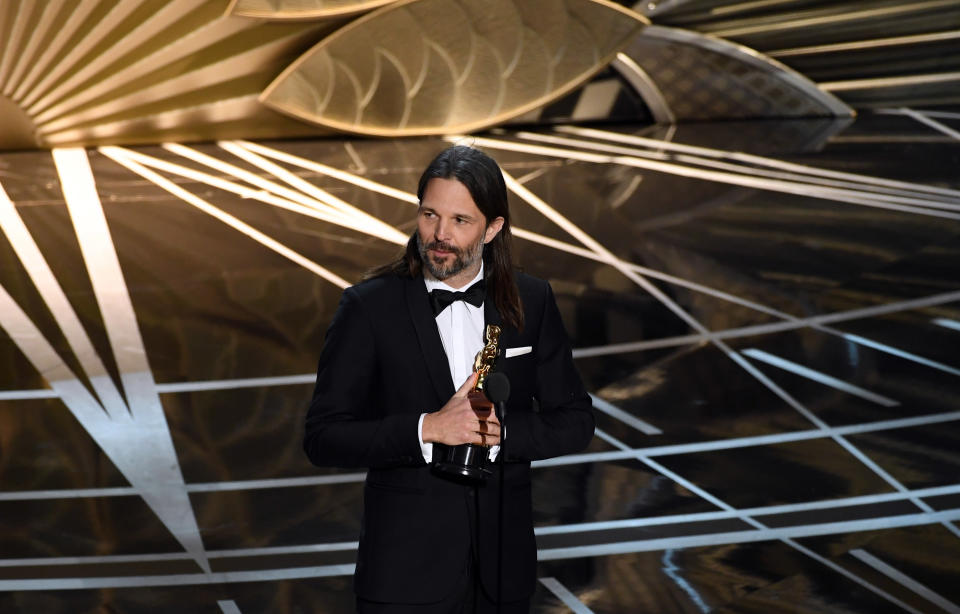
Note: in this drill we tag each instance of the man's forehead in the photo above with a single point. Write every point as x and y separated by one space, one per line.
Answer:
451 197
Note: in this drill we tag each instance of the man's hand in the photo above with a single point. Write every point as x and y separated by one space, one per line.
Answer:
457 423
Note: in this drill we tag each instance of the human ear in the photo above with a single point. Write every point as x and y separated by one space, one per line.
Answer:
492 229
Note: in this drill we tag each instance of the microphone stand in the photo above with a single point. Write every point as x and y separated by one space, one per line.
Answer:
497 389
501 408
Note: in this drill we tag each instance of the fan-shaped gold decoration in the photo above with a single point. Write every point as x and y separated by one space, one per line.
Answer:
97 71
438 66
302 9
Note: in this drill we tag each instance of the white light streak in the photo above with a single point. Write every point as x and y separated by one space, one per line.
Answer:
142 447
323 169
565 596
817 376
938 126
327 214
120 156
625 417
817 182
787 187
944 322
557 218
228 607
903 187
902 578
56 300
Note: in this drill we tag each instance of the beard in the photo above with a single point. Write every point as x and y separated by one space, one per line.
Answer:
462 258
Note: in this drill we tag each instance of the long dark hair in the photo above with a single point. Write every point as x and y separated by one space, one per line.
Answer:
480 174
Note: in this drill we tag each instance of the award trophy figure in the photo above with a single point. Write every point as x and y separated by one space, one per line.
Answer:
470 460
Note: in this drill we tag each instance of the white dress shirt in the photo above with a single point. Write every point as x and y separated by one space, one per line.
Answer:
461 327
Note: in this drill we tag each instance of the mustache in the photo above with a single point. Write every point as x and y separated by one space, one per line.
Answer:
441 245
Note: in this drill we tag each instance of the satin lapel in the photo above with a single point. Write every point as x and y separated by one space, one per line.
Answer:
491 315
430 345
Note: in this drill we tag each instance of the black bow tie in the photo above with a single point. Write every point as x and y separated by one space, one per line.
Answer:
441 299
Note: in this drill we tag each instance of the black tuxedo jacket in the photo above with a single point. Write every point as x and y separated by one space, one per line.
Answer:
382 365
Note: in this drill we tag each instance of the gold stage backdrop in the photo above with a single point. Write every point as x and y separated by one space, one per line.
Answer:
93 72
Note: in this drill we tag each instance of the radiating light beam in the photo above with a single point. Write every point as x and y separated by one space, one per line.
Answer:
898 576
228 606
363 218
755 440
776 185
232 384
938 126
565 596
574 528
627 418
726 296
44 358
16 395
586 253
119 156
944 322
753 159
764 329
817 376
817 183
928 113
557 218
886 349
323 169
63 313
327 214
569 459
223 577
771 510
761 531
142 447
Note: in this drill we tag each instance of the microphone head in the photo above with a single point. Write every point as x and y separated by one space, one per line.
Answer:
497 387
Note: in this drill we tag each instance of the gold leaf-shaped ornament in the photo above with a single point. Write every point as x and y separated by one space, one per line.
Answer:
420 67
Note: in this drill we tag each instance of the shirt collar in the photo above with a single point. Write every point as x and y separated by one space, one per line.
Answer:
433 284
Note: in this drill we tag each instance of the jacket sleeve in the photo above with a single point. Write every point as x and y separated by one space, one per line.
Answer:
564 423
347 424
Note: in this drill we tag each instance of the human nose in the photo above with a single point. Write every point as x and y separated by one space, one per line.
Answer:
441 231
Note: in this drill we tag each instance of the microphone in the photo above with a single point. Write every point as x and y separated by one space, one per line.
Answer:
497 387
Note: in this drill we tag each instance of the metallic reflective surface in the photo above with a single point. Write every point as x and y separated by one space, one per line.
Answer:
96 72
869 53
101 71
702 77
764 312
441 66
301 9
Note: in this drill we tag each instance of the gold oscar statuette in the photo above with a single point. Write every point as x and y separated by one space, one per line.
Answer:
482 365
468 460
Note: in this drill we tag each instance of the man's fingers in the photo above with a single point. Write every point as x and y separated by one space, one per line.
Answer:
486 439
489 428
467 386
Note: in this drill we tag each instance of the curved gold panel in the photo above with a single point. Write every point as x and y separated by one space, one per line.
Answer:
698 78
423 67
302 9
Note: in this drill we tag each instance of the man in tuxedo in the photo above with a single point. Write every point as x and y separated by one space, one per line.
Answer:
392 382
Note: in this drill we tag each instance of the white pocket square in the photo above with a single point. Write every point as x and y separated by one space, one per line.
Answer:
511 352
